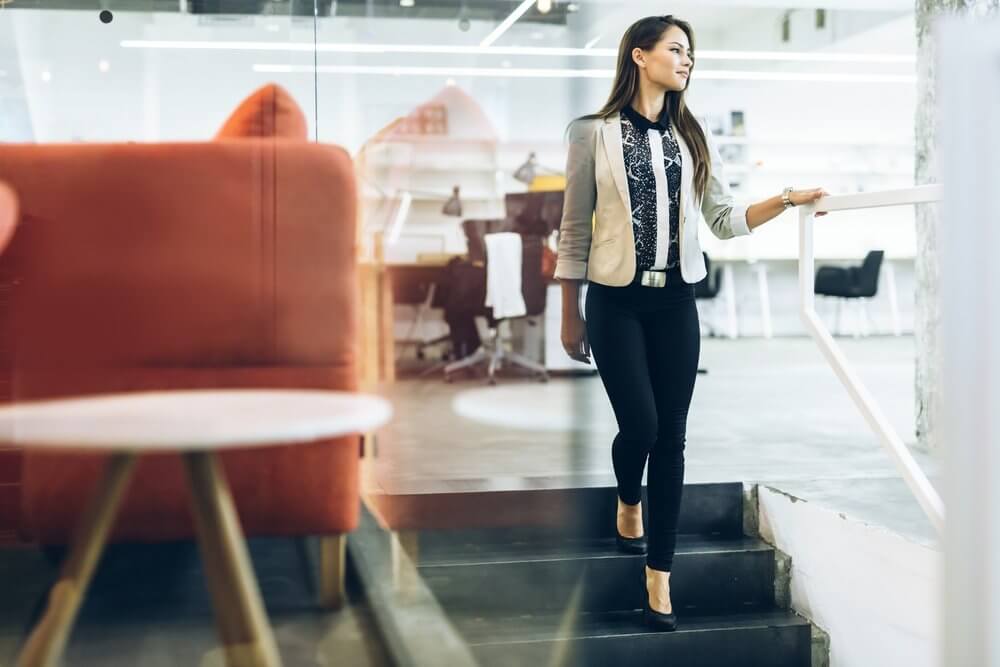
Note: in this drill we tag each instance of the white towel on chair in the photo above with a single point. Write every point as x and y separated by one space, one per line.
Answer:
503 275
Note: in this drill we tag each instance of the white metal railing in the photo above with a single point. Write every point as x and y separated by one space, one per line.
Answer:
914 477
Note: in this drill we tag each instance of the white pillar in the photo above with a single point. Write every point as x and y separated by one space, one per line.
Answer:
969 94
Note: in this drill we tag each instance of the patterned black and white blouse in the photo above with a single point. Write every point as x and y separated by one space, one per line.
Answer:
653 165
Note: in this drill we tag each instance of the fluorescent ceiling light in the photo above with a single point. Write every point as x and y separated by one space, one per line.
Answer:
507 22
542 73
488 50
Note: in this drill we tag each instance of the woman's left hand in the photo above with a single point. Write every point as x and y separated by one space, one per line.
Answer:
801 197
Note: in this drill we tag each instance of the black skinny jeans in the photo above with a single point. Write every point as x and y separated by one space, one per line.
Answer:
646 342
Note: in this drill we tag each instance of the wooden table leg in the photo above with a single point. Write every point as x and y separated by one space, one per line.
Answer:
47 641
239 610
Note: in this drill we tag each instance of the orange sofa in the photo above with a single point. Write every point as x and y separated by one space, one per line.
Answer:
223 264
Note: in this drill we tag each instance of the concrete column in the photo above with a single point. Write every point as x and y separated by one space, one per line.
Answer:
927 312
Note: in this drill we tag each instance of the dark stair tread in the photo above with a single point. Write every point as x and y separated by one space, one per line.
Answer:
480 630
468 553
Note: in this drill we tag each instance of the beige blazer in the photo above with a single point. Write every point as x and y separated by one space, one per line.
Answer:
595 237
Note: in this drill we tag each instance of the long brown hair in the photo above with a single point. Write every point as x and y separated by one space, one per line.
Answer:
645 34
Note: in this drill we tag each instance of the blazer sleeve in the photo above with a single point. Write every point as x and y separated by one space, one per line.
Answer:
576 228
724 216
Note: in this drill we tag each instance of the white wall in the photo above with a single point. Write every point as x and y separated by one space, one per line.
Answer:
876 593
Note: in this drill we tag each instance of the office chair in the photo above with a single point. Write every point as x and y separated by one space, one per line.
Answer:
533 289
851 282
708 288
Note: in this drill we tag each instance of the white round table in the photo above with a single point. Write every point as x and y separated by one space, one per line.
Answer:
195 423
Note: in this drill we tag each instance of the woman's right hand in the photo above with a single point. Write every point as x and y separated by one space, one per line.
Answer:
574 338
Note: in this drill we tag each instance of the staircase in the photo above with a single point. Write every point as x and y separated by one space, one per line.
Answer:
564 595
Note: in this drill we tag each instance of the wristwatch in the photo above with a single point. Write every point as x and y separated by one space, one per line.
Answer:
785 199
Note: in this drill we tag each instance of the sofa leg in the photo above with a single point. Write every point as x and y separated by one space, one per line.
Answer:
332 568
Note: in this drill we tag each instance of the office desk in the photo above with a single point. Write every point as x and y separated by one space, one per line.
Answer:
382 287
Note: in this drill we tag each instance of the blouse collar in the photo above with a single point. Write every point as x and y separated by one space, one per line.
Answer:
644 123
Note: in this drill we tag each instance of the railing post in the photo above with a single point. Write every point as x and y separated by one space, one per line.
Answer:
923 490
807 261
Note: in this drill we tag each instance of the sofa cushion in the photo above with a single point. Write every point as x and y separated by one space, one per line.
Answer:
270 111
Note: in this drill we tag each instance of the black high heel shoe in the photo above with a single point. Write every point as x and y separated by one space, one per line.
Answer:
631 545
655 620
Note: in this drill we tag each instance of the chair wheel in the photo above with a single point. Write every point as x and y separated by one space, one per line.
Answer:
543 378
492 382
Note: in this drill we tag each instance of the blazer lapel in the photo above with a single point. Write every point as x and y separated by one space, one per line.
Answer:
687 171
612 131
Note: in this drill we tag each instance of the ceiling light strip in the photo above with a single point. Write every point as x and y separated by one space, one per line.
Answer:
561 52
543 73
507 22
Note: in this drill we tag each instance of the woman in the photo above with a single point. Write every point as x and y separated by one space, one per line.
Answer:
640 174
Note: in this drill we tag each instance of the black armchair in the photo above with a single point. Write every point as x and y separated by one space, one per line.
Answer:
850 282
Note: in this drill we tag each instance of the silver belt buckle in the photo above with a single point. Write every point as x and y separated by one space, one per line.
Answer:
654 278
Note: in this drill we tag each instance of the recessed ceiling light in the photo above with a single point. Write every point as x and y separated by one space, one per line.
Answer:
103 65
544 6
46 76
562 73
542 51
406 3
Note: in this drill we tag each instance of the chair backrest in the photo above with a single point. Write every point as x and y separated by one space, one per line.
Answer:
476 229
867 275
230 254
707 287
533 283
534 286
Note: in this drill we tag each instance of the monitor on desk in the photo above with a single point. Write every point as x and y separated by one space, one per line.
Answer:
535 212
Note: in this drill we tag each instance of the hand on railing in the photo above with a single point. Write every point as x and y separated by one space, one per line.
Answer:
800 197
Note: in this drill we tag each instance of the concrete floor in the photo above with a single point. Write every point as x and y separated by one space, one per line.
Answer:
768 411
